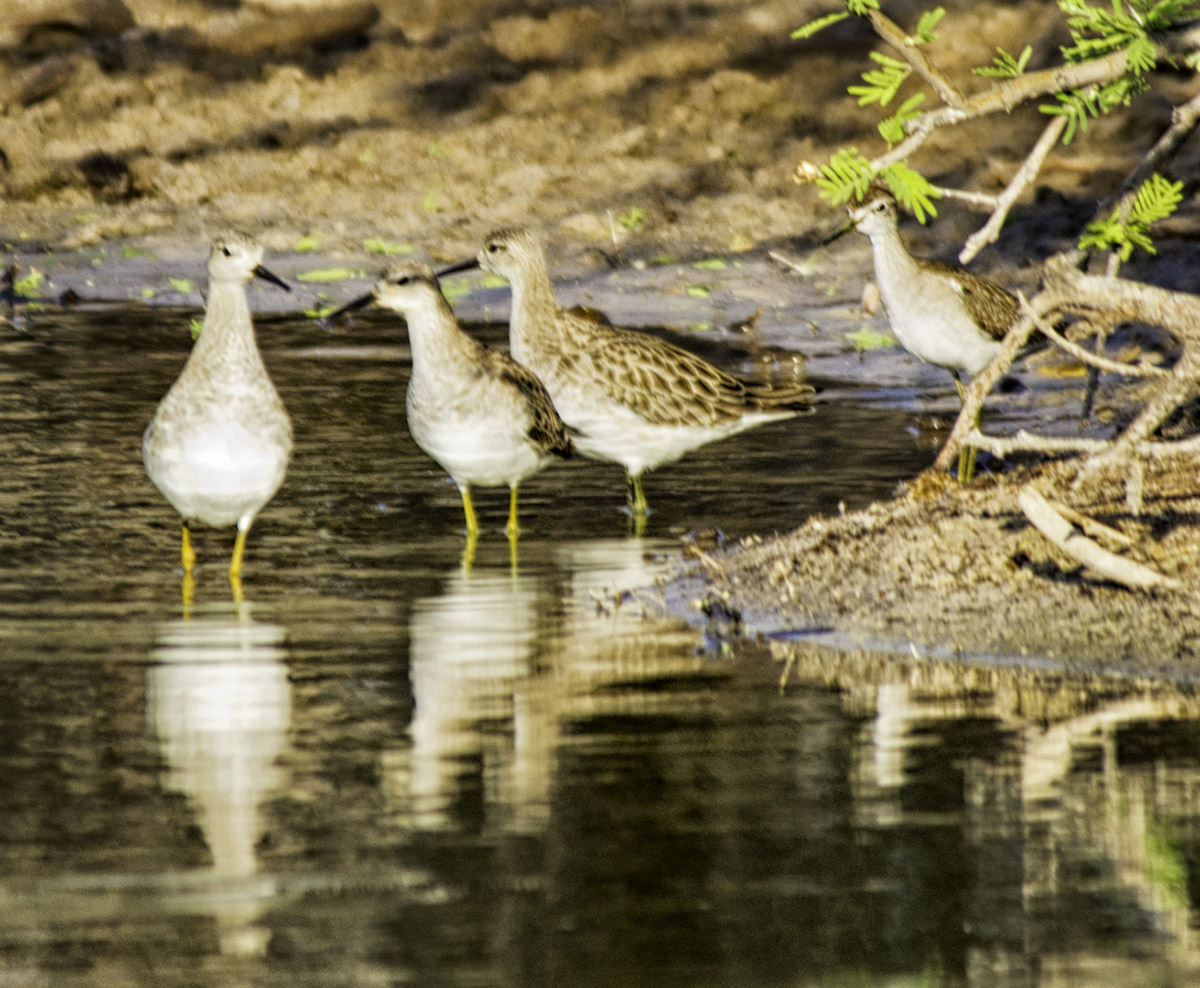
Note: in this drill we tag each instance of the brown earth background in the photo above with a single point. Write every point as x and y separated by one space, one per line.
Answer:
441 119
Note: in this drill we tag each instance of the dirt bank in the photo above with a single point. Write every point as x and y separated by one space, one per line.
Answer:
946 570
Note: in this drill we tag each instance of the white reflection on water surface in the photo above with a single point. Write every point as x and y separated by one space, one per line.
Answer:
220 704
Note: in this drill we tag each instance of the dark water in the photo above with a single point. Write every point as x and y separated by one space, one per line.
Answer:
385 769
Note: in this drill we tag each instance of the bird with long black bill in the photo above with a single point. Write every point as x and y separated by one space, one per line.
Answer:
220 441
940 313
483 417
629 397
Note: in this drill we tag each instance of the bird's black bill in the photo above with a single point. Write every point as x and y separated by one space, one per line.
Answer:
354 306
467 265
272 277
843 229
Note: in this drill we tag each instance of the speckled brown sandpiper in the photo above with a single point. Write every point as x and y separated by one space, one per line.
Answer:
483 417
630 397
940 313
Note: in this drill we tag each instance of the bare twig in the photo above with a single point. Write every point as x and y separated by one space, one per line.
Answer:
980 387
1002 97
1028 442
983 200
1058 530
1025 175
888 30
1092 359
787 262
1096 529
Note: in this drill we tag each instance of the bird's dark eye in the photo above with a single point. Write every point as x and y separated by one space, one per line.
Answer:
404 280
493 248
880 206
226 251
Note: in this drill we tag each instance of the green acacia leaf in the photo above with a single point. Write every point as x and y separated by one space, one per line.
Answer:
912 190
1004 65
868 338
1156 199
883 83
388 248
893 129
29 285
328 275
811 28
847 175
925 27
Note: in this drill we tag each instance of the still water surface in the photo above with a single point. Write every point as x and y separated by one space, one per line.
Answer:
386 768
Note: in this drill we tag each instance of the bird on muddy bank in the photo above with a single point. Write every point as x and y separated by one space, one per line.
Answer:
220 441
629 397
940 313
484 418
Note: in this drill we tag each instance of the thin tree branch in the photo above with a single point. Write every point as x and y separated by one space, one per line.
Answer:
1024 177
1096 529
1003 96
983 200
1092 359
1176 312
1028 442
888 30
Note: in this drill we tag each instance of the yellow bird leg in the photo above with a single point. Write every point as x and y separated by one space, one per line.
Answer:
512 528
635 495
469 511
468 556
188 554
966 454
188 591
239 549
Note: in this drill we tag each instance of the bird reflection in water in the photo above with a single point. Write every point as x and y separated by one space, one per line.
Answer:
499 666
476 701
219 701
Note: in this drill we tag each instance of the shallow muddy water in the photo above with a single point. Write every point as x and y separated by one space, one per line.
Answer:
385 767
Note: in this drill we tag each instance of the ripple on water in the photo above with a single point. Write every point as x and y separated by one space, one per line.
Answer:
386 767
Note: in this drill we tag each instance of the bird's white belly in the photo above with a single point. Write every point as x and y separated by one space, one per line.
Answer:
940 335
219 476
614 432
476 449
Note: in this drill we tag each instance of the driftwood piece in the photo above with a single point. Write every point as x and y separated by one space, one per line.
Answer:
1062 534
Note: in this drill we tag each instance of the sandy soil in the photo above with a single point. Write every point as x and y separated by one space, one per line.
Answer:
958 571
622 131
449 117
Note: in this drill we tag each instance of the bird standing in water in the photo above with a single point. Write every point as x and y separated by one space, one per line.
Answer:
629 397
483 417
220 440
